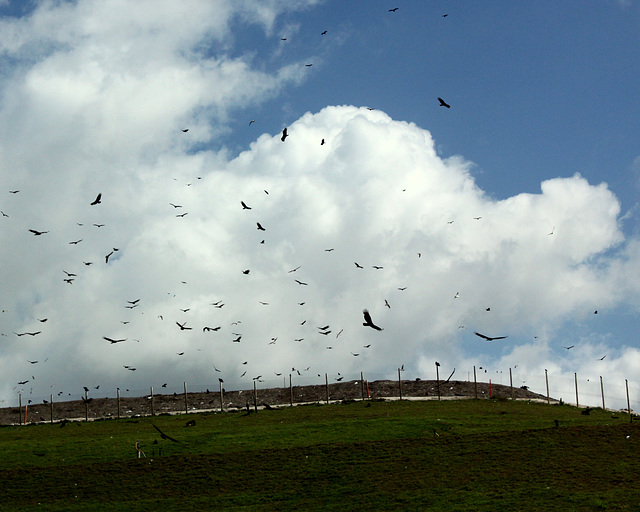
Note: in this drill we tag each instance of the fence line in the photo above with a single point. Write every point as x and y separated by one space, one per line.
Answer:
558 383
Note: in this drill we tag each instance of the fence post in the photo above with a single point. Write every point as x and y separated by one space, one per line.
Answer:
438 378
511 383
602 391
362 385
326 387
399 383
290 391
475 383
255 397
153 411
118 401
221 397
86 406
51 407
186 407
546 379
20 406
626 384
575 377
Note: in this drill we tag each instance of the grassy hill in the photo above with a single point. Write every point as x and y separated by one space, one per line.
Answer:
359 455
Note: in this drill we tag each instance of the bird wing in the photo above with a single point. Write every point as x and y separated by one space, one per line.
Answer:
482 336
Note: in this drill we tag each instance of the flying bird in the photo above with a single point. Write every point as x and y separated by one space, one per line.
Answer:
112 341
284 135
357 264
162 434
106 258
302 283
185 130
443 103
368 322
294 269
97 200
183 327
323 33
244 206
569 347
207 329
489 338
393 10
37 233
386 303
260 228
75 242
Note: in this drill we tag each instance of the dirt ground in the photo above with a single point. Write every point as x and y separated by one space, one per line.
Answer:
235 400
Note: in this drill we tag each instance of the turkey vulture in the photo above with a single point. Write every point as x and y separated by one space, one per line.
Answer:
368 322
488 338
112 341
97 200
443 103
37 233
163 435
244 206
284 135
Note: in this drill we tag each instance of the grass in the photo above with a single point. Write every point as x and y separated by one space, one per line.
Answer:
450 455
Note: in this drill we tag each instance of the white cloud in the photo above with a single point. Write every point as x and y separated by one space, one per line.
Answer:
91 109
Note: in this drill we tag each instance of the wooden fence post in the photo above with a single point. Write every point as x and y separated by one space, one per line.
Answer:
475 383
153 411
118 401
575 377
511 383
255 397
546 378
86 406
51 407
399 384
290 391
602 391
362 385
186 406
221 397
326 387
20 406
626 384
438 378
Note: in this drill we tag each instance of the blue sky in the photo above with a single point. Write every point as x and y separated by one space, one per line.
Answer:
541 138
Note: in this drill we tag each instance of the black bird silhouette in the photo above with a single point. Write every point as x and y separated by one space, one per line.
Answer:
569 347
97 200
300 282
246 272
207 329
112 341
368 322
260 228
183 327
106 258
244 206
13 191
443 103
164 436
284 135
358 265
393 10
323 33
185 130
37 233
489 338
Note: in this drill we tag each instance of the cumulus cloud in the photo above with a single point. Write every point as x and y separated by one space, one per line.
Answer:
91 109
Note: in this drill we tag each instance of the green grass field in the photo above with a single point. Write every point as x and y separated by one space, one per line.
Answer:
481 455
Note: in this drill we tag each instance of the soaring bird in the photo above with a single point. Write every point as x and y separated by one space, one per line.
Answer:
489 338
244 206
97 200
183 327
106 258
185 130
112 341
37 233
357 264
284 135
393 10
162 434
260 228
368 322
323 33
207 329
443 103
301 282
